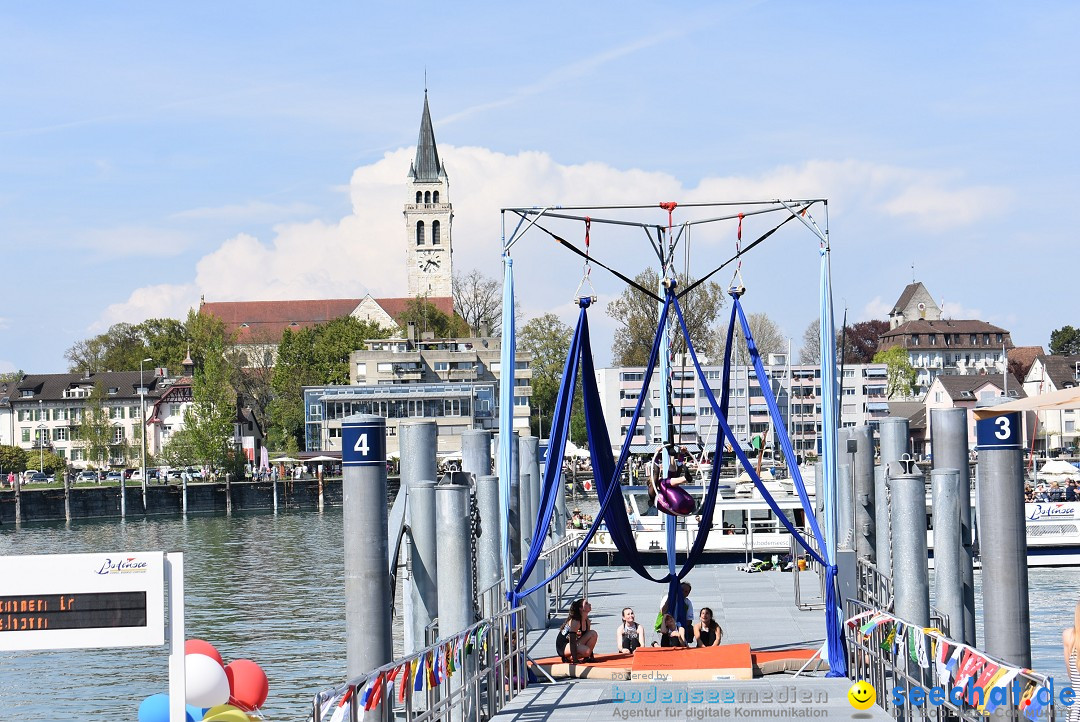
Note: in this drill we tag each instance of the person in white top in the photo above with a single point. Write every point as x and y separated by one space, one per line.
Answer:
687 623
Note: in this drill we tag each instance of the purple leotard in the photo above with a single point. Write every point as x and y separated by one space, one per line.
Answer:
673 500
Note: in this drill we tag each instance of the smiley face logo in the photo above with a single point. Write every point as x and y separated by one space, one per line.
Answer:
862 695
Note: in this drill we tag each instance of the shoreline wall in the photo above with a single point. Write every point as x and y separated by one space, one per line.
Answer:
100 502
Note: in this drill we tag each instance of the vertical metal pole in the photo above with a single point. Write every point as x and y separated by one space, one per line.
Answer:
529 451
183 489
515 506
893 433
882 540
418 444
912 584
865 501
228 493
948 579
454 555
18 498
1004 555
174 580
489 553
67 499
561 517
476 453
949 446
368 642
843 492
527 513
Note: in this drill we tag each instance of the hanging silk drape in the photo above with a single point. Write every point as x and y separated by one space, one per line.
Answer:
507 451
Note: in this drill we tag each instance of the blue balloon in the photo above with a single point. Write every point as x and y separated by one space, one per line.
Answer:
196 713
155 708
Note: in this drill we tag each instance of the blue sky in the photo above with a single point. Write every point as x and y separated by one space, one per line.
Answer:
152 154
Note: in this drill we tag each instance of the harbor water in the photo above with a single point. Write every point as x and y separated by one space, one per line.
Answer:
269 588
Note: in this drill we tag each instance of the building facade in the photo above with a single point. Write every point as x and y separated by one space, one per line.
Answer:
454 382
797 390
967 392
1057 429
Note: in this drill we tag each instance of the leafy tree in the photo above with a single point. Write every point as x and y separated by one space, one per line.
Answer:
900 374
52 463
428 317
95 431
12 376
179 450
12 458
768 337
1065 341
211 416
548 340
478 301
861 340
810 353
637 315
124 345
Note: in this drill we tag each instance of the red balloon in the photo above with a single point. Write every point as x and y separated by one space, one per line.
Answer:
248 684
198 646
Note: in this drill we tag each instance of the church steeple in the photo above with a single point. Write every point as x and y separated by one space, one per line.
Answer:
426 167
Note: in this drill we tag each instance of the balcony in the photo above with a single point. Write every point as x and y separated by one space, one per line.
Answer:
462 374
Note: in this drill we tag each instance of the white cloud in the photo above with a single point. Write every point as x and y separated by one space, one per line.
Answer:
363 252
137 241
254 212
875 309
950 309
7 367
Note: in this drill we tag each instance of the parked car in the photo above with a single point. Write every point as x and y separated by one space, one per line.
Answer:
128 473
38 478
116 476
87 475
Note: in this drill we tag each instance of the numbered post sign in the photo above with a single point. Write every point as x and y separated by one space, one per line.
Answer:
999 432
363 443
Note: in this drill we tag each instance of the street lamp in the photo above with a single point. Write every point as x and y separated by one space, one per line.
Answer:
142 431
41 433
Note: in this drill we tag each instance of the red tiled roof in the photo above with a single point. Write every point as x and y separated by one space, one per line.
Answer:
264 321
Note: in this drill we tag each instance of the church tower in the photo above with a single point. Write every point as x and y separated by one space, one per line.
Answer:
428 215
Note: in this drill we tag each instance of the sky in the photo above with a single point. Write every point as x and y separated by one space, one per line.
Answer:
155 154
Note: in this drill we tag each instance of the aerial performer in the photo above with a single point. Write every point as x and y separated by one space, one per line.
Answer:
664 490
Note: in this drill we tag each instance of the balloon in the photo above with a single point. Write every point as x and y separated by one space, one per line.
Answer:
155 708
198 646
218 709
207 684
229 715
196 713
248 684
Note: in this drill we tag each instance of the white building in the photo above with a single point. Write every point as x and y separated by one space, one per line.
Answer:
1058 428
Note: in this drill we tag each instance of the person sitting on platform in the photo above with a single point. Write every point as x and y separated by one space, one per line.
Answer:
577 638
688 620
576 520
628 635
671 634
707 633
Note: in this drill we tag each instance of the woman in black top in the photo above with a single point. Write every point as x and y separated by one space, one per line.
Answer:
628 635
577 639
707 632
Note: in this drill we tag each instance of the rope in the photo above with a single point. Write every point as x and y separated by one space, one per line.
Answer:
711 273
621 277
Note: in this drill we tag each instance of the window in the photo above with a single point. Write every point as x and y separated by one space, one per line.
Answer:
315 411
436 239
631 376
933 339
133 412
452 407
435 197
361 371
521 365
118 435
914 339
442 365
385 368
427 196
419 197
60 434
28 393
26 435
521 401
712 375
419 233
656 413
986 339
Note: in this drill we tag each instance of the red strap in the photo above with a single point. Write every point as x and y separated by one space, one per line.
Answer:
588 225
670 207
740 226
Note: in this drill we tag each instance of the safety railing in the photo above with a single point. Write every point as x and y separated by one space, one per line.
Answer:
560 590
914 679
467 677
875 589
798 553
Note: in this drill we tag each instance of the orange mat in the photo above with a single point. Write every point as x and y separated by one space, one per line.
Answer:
728 661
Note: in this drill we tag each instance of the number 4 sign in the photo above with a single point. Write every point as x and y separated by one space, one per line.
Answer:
363 442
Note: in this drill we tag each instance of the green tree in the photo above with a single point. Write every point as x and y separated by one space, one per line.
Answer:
53 464
548 340
12 376
428 318
211 416
179 450
1065 341
124 345
637 315
900 374
12 458
95 431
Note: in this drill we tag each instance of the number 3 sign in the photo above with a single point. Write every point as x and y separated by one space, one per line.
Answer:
363 442
999 432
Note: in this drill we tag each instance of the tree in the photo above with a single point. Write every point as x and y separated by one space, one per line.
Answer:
637 316
810 353
1065 341
211 416
12 458
768 337
428 318
12 376
52 463
179 450
548 340
124 345
478 301
900 374
95 431
861 340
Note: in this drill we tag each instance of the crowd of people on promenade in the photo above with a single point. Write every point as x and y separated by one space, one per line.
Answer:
1054 491
577 639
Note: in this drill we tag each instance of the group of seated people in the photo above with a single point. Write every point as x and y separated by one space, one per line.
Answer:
577 639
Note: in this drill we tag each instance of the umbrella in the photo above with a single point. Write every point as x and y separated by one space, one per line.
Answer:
322 458
284 460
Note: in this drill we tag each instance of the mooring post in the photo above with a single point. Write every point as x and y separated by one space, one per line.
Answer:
454 558
864 493
1003 539
228 493
949 447
67 498
948 579
368 623
535 603
489 548
912 584
882 542
476 452
515 505
893 434
418 444
18 499
893 445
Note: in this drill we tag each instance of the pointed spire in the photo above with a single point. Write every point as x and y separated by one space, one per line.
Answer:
188 364
426 167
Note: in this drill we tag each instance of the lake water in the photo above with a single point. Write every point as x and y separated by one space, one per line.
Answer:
270 588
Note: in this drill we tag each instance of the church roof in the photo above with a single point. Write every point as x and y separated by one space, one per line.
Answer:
264 321
426 167
905 297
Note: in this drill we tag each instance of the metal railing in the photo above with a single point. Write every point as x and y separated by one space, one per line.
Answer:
491 654
560 592
875 589
889 668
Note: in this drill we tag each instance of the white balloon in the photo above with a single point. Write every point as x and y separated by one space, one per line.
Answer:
207 684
